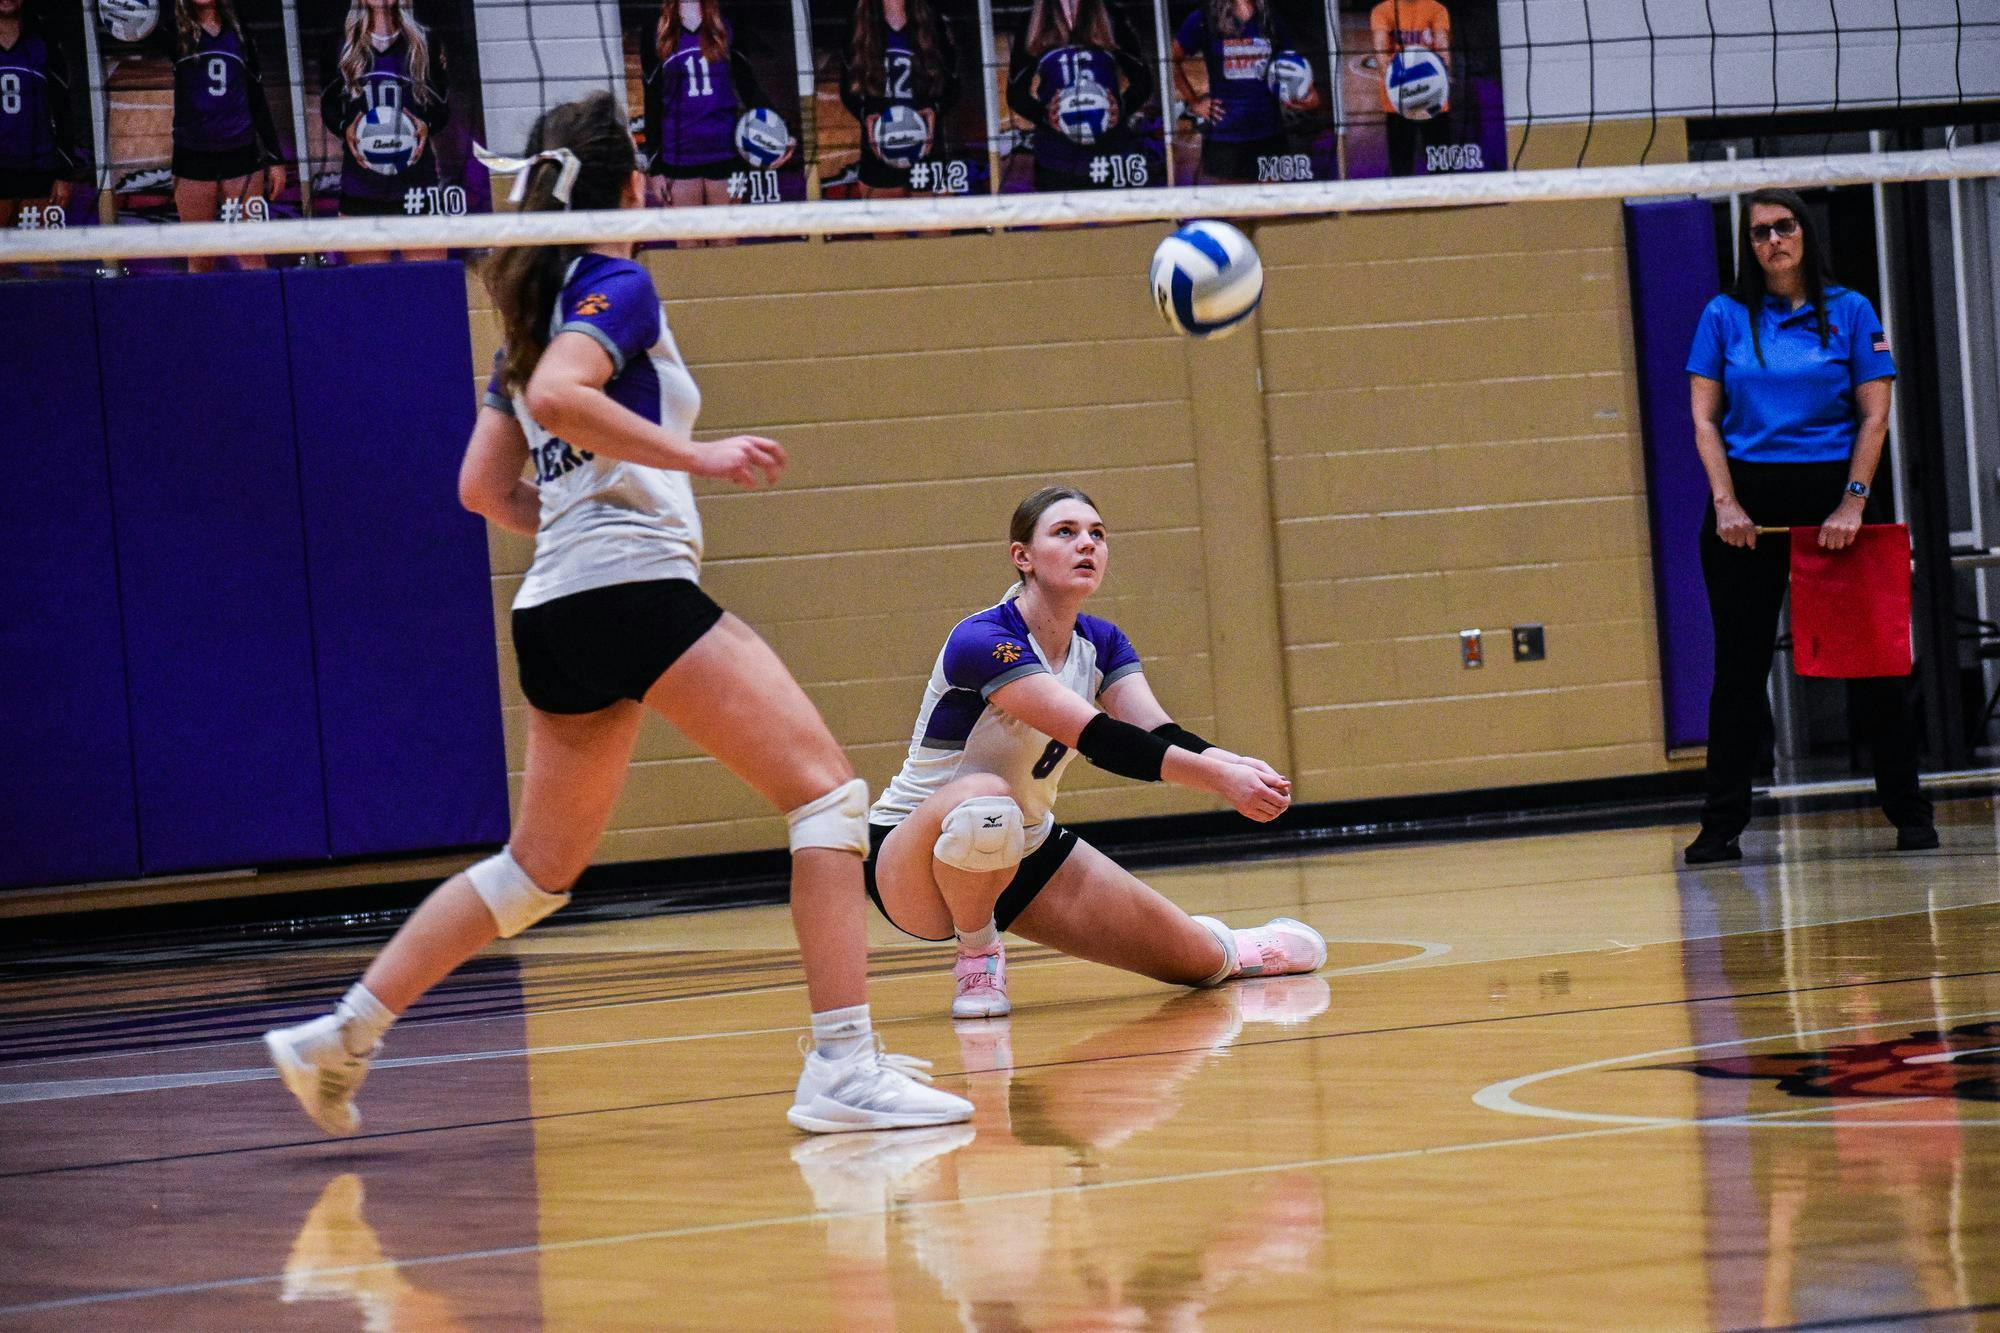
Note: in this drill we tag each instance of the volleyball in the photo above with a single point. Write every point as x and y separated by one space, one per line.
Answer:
762 137
1084 112
1417 82
385 140
1206 279
129 20
1289 77
901 135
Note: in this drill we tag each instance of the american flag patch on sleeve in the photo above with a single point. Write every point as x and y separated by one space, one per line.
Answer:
1881 342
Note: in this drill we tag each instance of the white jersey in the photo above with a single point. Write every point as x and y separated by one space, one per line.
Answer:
959 730
604 520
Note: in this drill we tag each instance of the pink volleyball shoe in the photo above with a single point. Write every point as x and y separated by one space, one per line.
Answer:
982 984
1279 947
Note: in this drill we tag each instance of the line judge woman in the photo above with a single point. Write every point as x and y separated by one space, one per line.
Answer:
1790 378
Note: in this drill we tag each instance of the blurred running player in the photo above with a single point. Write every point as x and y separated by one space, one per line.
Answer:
1395 26
965 839
1077 77
385 63
225 142
698 81
899 54
1242 118
39 158
590 395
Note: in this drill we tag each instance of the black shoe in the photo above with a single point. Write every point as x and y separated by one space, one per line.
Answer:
1916 837
1710 848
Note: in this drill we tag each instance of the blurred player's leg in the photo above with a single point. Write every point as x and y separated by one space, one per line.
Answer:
731 695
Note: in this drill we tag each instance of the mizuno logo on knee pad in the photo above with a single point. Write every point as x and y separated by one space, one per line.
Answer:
982 833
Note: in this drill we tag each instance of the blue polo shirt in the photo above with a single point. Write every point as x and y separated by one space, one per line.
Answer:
1798 407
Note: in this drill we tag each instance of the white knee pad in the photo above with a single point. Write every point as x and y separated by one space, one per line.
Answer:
982 833
516 901
838 820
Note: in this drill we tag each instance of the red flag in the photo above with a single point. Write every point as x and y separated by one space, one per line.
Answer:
1851 608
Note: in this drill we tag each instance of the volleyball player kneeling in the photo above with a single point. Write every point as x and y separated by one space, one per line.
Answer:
610 622
965 840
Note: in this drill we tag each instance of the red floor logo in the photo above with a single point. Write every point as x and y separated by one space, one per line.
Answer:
1963 1063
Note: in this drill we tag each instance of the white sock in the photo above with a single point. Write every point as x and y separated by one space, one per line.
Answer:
839 1033
363 1019
979 941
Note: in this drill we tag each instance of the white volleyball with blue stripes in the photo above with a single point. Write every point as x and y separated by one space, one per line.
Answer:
1207 279
1290 78
762 137
902 136
1418 82
1084 112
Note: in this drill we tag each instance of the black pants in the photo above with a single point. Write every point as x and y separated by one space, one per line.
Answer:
1746 590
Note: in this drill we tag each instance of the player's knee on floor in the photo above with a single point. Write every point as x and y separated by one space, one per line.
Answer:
837 820
514 899
982 834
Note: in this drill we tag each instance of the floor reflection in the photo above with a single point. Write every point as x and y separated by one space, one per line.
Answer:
1030 1243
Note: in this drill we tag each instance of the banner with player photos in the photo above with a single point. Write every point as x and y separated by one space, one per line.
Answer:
1250 79
1079 94
393 107
900 107
47 148
714 93
1419 88
197 110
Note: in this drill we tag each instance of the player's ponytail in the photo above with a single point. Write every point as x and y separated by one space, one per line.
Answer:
524 281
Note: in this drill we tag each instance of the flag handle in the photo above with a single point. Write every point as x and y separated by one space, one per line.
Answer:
1763 531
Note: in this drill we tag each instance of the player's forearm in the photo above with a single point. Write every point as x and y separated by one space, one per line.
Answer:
1714 460
589 419
1203 771
520 510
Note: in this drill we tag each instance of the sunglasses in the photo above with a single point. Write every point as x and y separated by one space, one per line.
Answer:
1762 233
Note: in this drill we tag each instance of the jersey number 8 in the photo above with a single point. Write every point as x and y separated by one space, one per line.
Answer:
10 93
1050 758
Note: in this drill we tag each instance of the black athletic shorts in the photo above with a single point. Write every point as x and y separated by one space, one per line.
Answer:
1222 160
720 170
201 164
882 175
1030 877
586 651
367 206
26 184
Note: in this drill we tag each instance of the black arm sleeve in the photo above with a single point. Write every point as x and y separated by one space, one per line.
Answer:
333 111
850 84
1173 733
1121 748
1138 71
947 92
62 115
261 124
1021 82
749 92
437 109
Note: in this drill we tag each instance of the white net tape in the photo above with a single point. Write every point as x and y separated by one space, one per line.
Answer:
932 214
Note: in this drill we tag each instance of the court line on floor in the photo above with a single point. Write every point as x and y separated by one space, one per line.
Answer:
1240 1044
1500 1096
52 1090
913 1206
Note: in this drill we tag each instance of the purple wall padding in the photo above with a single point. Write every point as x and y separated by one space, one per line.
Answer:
1670 252
205 488
67 809
402 603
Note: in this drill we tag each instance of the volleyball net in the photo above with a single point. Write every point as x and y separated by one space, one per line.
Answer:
146 130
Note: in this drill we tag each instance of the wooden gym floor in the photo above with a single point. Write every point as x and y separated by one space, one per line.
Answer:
1545 1081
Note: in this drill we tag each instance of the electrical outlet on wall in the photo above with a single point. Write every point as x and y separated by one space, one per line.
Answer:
1528 644
1471 650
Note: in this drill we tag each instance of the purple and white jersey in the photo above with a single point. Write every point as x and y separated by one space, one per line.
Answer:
1058 71
607 521
31 115
1236 67
388 79
213 85
695 103
958 728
